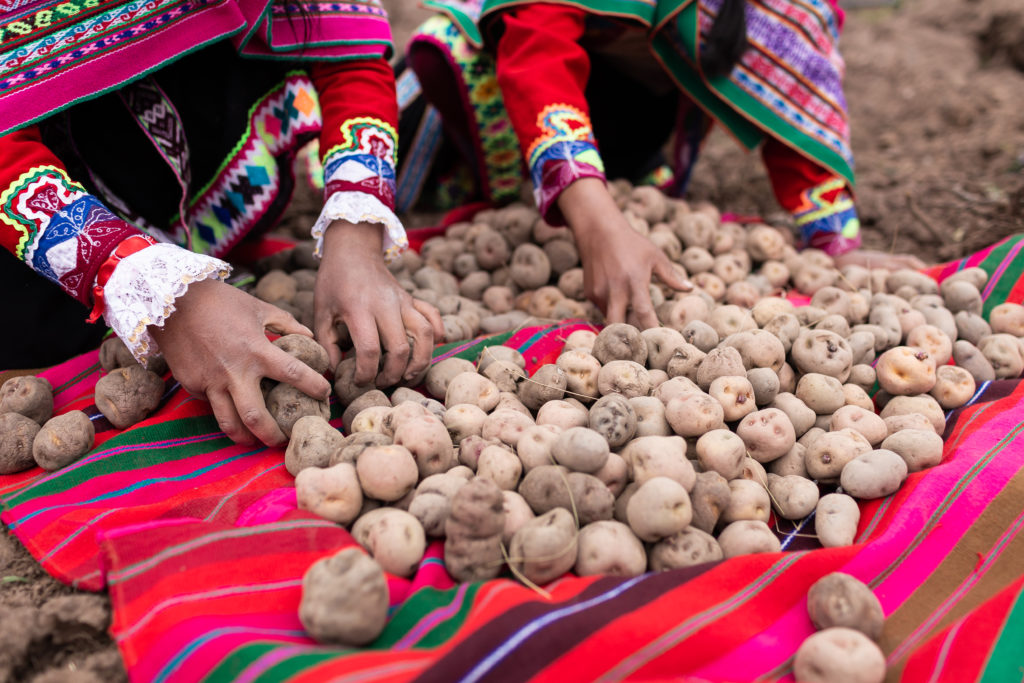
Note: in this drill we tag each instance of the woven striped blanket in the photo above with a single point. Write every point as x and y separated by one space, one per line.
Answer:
202 548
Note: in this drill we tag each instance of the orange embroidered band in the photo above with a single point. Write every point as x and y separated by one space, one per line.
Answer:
126 248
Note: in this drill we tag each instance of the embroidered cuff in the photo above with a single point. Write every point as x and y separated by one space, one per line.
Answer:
360 207
827 218
143 288
365 162
564 152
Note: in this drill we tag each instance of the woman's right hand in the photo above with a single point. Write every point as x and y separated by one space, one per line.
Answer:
617 262
216 346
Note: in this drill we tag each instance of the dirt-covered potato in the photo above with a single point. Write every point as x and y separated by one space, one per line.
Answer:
746 537
747 500
580 449
1003 352
306 350
839 655
613 418
128 395
345 386
650 416
967 356
723 361
694 413
620 341
793 496
721 451
838 599
17 432
758 349
275 286
923 404
591 499
427 439
623 377
954 386
699 334
688 548
821 393
547 384
354 444
114 354
62 440
439 376
473 531
344 599
530 267
765 384
432 501
517 513
463 420
736 395
709 497
362 402
905 371
332 493
790 463
828 454
545 547
823 352
608 547
661 343
563 414
614 474
1007 318
800 416
874 474
835 520
659 456
919 448
767 433
314 443
659 508
686 361
729 319
545 488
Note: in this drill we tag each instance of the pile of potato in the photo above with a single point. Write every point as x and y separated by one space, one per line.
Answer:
650 450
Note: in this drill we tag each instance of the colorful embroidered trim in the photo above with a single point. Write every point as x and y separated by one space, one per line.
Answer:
247 184
29 203
133 244
494 140
827 218
365 161
564 152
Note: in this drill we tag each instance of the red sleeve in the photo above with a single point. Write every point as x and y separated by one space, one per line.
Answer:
48 220
542 71
359 142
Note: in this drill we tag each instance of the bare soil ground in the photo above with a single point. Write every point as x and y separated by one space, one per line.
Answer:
936 95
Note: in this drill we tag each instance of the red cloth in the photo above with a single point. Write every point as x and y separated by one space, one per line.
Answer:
791 173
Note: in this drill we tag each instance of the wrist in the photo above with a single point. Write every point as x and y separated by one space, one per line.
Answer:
358 237
588 207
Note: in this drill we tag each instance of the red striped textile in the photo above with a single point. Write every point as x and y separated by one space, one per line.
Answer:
202 549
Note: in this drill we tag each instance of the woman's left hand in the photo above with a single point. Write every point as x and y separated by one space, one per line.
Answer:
354 287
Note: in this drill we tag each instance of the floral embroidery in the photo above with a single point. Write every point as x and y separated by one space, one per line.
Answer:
365 161
827 217
30 201
564 152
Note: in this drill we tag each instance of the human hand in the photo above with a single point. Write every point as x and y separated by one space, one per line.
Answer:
216 345
354 287
617 262
878 259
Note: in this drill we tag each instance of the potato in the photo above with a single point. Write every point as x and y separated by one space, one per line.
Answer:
129 395
499 299
823 352
839 655
563 414
353 445
687 548
1003 351
506 425
620 341
765 384
650 416
360 403
699 334
895 423
545 488
1007 318
736 395
659 456
821 393
394 538
470 387
829 454
473 531
674 388
919 448
591 499
758 349
580 449
582 340
794 496
659 508
306 350
709 497
29 396
868 424
344 599
855 396
686 361
609 548
874 474
835 520
501 466
954 386
314 443
545 547
661 343
463 420
332 493
613 418
693 414
345 386
838 599
623 377
746 537
427 439
768 434
581 371
784 327
790 463
747 500
863 376
387 472
63 439
971 327
967 356
432 501
505 375
614 474
530 267
548 383
517 513
924 404
723 361
721 451
17 433
799 414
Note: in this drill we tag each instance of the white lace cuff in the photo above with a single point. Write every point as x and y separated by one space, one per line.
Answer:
143 288
361 207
